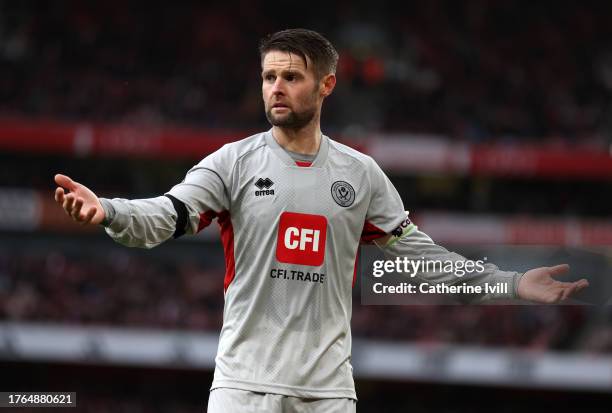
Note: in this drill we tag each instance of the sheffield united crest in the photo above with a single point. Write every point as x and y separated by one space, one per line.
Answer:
343 193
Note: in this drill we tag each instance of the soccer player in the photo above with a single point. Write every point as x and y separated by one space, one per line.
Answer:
293 206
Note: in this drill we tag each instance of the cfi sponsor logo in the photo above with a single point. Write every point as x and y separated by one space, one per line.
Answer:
399 230
301 239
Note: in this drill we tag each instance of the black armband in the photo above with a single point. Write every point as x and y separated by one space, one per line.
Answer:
109 212
182 216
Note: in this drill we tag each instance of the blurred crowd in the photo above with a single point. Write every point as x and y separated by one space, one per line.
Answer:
122 288
119 289
474 70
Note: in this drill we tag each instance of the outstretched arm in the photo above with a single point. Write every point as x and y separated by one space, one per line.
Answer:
416 245
535 285
141 223
185 209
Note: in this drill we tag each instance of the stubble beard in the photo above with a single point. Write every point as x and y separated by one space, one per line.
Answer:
292 120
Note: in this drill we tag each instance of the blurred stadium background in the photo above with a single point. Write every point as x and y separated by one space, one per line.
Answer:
493 119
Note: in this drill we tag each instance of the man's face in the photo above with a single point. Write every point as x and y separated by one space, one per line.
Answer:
290 90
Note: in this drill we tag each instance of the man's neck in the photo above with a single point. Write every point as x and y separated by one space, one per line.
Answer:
305 141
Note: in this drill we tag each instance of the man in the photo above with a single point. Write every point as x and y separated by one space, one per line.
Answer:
293 206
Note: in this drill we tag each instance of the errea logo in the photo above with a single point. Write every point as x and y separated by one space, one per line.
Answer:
301 239
264 185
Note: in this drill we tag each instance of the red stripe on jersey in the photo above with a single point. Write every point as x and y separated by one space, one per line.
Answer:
205 219
355 268
302 163
371 232
227 239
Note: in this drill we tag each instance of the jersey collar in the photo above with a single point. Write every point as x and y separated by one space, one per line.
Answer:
286 158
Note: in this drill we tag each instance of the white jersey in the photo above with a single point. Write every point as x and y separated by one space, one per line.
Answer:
290 232
290 235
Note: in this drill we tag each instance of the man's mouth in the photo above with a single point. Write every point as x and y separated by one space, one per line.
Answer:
279 105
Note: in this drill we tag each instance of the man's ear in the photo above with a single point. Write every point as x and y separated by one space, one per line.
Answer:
327 84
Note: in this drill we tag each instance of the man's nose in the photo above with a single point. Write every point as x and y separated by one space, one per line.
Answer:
278 88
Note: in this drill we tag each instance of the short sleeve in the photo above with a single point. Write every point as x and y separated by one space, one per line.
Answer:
205 189
386 210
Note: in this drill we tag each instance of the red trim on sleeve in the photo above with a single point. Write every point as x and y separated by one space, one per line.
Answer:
371 232
205 219
227 239
303 163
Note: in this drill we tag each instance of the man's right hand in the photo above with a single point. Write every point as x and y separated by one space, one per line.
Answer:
81 204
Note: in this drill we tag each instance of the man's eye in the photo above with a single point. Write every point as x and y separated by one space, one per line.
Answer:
290 78
270 78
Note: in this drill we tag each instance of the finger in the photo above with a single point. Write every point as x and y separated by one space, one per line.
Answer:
76 211
575 287
59 195
68 203
89 216
65 182
568 291
560 269
581 284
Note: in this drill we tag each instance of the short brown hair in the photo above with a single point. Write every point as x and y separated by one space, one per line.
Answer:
304 43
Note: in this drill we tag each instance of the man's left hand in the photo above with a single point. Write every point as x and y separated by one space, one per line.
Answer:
538 285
